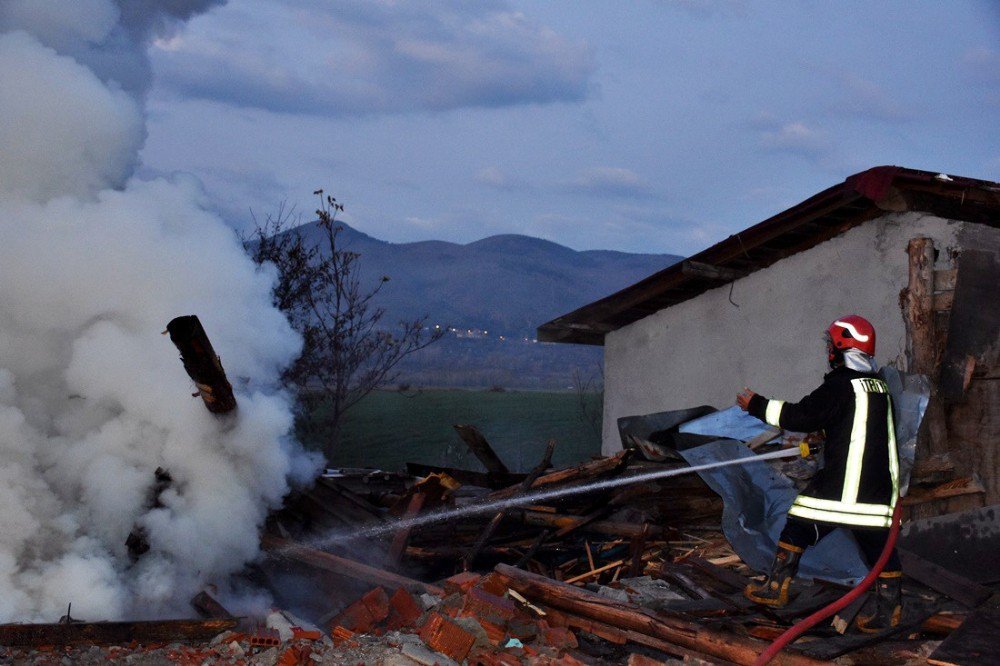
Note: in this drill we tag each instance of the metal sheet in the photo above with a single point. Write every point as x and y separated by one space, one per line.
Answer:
965 543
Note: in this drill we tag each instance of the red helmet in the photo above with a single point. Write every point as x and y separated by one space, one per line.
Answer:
853 331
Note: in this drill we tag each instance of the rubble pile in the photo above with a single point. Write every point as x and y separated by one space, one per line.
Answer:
640 573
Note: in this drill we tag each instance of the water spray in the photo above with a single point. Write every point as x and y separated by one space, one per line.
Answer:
535 497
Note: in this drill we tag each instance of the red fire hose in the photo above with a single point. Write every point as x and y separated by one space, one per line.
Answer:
801 627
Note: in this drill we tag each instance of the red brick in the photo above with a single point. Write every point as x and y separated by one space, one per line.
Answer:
461 583
377 602
493 583
498 610
355 618
446 637
560 638
340 634
306 634
404 610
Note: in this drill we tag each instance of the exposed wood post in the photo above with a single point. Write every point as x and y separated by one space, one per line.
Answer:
919 307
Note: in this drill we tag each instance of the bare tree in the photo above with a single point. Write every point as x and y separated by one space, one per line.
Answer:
348 351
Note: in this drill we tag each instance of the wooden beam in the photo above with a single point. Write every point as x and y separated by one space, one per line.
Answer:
112 633
342 566
565 522
484 452
202 364
667 627
918 307
710 272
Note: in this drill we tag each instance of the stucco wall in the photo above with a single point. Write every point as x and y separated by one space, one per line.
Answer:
703 351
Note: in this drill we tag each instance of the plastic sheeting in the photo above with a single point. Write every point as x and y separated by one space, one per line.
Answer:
757 496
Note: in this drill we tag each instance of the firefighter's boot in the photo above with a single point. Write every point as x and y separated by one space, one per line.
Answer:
883 612
774 590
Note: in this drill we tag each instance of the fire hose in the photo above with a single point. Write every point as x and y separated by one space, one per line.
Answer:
804 625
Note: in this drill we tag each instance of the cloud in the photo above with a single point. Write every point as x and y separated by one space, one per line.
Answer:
869 100
496 178
356 57
612 181
982 64
794 138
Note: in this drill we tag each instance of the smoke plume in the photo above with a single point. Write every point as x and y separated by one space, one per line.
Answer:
93 264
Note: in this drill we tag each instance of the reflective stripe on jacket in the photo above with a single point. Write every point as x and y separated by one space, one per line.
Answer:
859 482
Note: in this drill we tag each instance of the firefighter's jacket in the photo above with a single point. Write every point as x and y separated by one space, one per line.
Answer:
859 483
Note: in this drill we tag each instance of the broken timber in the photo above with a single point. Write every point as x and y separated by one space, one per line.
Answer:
587 470
342 566
202 364
112 633
492 526
498 474
669 628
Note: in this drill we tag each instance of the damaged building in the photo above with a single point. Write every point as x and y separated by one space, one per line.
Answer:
916 252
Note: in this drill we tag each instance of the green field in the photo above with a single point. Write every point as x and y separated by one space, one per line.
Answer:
387 429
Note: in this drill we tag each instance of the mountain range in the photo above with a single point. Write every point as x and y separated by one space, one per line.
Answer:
502 285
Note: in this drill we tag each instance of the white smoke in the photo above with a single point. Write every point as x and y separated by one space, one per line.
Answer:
93 399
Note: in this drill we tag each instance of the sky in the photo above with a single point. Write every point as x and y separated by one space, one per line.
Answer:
656 126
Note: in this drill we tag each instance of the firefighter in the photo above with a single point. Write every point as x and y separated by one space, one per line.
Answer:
859 484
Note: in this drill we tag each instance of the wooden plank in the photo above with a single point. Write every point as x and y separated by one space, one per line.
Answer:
402 536
113 633
342 566
970 485
667 627
721 574
940 579
562 521
587 470
918 310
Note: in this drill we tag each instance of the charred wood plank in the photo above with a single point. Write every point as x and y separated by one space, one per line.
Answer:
202 364
112 633
342 566
626 617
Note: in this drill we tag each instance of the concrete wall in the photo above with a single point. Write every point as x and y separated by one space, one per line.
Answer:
703 351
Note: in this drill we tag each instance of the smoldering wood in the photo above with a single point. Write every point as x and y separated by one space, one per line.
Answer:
342 566
112 633
202 364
